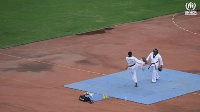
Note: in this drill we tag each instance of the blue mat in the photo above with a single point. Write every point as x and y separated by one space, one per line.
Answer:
120 85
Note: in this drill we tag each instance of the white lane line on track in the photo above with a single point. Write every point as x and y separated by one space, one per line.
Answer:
173 20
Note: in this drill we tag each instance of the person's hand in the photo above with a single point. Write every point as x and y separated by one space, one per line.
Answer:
126 68
144 60
160 68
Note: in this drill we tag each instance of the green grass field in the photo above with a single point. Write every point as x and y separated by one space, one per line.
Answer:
26 21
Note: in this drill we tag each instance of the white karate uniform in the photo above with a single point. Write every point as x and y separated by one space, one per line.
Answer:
156 61
132 69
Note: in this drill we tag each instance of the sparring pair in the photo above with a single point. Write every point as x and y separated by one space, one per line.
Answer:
133 63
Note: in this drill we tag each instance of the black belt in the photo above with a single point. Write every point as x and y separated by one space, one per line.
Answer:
152 64
131 65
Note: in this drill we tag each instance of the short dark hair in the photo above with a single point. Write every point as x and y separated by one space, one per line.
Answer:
129 53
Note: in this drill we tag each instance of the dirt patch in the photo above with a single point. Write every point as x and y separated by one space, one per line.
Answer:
32 67
85 62
100 31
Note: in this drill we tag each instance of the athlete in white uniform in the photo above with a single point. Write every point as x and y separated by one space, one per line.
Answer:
156 59
133 63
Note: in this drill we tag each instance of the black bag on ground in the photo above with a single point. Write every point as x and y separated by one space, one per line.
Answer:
84 98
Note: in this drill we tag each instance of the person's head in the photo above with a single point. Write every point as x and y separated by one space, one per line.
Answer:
129 54
155 52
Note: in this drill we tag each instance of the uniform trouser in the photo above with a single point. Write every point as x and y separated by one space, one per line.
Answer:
154 73
132 70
